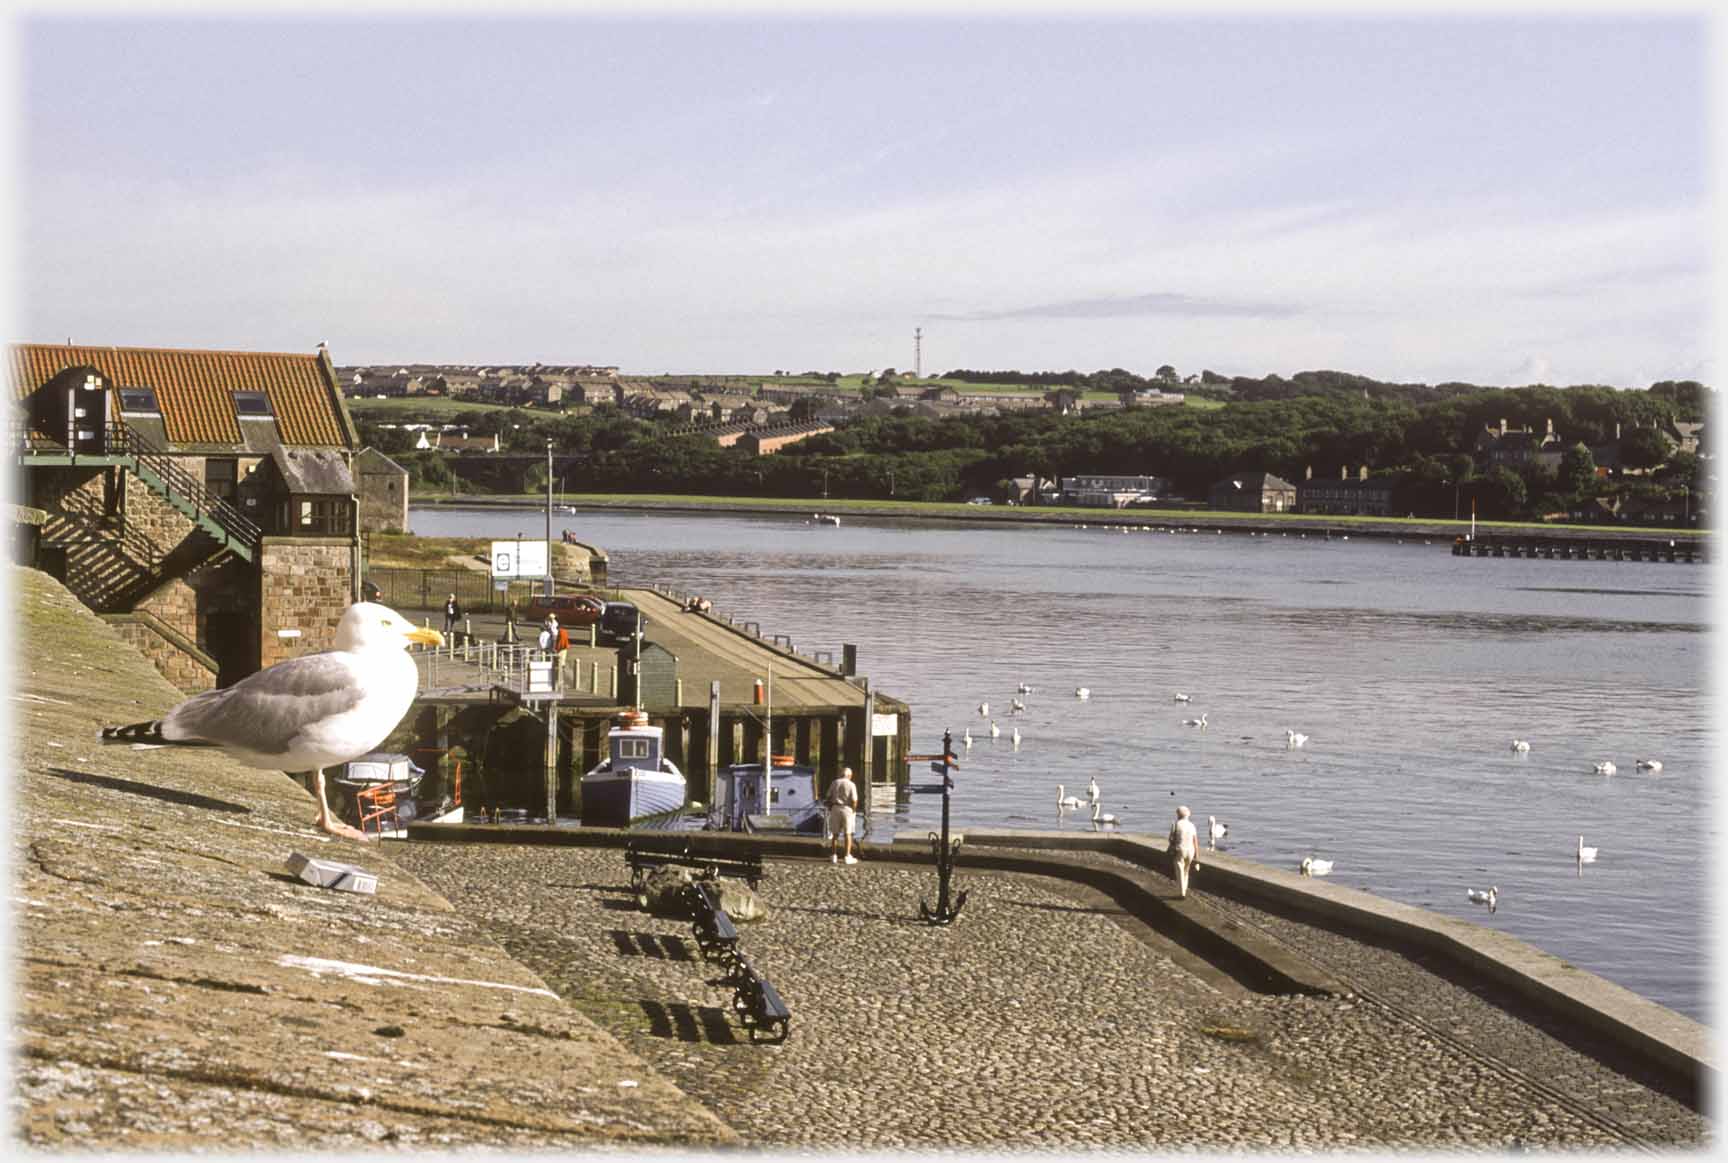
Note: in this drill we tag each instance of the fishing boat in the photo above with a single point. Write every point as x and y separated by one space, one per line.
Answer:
791 803
635 779
381 794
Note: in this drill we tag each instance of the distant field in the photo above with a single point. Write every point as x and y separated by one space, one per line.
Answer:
409 407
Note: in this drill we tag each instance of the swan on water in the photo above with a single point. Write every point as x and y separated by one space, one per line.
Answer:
1294 738
1181 698
1520 745
983 710
1092 789
1066 801
1606 767
1216 831
994 729
1015 706
1311 866
1024 688
1649 765
1586 854
1200 722
966 737
1081 692
1015 736
1104 817
1491 898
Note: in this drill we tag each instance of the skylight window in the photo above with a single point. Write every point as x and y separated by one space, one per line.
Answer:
139 402
252 404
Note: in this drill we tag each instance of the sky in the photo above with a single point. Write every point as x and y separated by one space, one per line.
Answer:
1492 199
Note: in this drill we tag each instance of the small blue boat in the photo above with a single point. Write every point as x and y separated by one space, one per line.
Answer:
791 798
634 780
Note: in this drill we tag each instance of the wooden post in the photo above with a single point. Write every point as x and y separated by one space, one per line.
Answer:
713 738
868 751
551 711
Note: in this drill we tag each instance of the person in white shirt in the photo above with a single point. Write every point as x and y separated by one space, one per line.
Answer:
1184 848
842 804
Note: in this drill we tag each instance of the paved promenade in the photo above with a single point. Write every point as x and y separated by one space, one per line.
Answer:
1043 1017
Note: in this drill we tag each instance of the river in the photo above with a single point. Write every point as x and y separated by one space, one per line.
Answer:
1410 670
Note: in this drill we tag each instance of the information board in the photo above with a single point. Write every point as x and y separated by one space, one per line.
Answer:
518 559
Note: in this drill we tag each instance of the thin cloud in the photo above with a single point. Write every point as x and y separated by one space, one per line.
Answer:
1156 303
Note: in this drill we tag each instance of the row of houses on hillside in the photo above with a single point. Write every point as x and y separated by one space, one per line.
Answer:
1512 447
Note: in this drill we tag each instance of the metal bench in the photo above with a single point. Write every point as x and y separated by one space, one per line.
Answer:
643 861
716 935
760 1008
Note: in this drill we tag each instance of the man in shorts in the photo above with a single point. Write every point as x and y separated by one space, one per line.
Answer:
842 804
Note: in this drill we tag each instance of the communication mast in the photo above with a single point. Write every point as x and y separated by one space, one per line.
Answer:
918 352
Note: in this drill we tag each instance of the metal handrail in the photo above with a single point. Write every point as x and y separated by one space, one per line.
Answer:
124 441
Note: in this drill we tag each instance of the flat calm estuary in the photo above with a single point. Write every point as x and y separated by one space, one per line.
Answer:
1410 670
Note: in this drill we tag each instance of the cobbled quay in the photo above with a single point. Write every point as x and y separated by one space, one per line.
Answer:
1044 1017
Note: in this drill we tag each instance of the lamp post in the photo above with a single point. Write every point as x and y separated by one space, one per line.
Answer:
944 849
890 482
548 516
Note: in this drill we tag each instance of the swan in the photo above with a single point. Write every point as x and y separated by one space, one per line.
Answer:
1104 818
966 738
1092 790
1294 738
983 710
1066 801
1586 855
1024 688
1649 765
1016 706
1181 698
1015 736
1491 898
1216 830
1521 745
994 729
1082 693
1200 722
1606 767
1311 866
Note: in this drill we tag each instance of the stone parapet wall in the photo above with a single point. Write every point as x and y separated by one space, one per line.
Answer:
304 585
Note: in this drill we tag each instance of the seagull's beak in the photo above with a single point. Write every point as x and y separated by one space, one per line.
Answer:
426 636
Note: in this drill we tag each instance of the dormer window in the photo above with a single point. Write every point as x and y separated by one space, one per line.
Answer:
139 402
252 404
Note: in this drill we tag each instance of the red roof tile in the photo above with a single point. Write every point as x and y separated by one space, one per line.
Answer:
196 388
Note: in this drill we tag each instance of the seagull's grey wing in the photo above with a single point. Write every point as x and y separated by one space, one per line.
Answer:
266 711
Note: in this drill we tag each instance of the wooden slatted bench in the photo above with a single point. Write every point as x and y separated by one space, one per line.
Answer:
643 861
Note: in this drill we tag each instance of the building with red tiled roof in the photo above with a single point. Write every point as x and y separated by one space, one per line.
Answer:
203 501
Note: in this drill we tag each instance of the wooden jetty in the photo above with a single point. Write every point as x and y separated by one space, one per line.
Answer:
1681 549
696 677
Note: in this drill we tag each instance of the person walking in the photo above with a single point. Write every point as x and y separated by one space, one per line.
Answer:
452 614
842 804
1184 848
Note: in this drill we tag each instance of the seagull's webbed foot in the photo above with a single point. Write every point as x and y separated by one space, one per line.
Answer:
328 821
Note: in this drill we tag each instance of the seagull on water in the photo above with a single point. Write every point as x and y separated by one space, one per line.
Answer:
1313 866
1586 854
1064 801
1082 693
1015 706
1294 738
1024 688
1649 765
1606 767
1521 745
1491 898
1200 722
307 713
1215 830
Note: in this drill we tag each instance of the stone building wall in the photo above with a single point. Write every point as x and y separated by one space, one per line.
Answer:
305 583
185 671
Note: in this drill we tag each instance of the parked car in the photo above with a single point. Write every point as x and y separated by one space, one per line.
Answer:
572 609
619 623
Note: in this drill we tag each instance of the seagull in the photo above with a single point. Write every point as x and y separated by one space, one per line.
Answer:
1181 698
1065 801
1015 736
994 729
1216 830
1294 738
1024 688
1649 765
1491 898
1606 767
1101 817
1586 855
1015 706
1092 790
1082 693
307 713
1521 745
1200 722
983 710
1311 866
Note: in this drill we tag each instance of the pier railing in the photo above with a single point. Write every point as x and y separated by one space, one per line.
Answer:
467 665
823 659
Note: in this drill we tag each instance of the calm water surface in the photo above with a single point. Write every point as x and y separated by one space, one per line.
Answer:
1410 670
